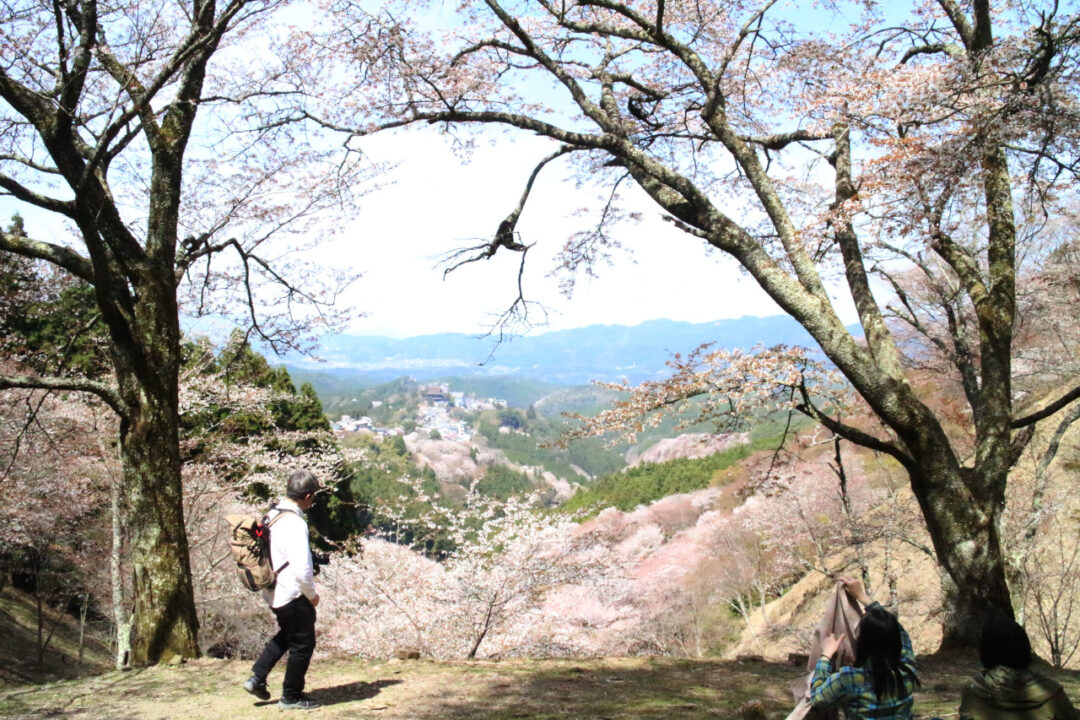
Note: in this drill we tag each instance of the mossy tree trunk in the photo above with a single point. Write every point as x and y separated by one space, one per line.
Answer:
164 623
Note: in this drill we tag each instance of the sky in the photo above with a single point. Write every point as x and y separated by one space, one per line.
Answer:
437 200
433 203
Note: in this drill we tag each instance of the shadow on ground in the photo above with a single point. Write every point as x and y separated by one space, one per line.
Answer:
19 661
648 689
674 689
351 692
338 694
18 648
635 688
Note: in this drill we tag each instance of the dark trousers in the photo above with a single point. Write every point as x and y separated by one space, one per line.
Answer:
296 620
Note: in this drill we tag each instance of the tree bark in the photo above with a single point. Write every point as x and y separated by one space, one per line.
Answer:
121 619
978 589
84 604
962 511
164 619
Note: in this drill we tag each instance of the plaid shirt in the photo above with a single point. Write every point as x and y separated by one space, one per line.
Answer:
852 688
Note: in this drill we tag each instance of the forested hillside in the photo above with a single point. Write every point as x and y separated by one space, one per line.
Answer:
723 554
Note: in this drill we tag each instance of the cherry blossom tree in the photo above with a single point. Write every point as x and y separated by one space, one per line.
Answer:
1040 522
240 442
748 572
495 590
51 530
146 133
930 136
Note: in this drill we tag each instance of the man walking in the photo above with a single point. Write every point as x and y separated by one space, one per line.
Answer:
293 598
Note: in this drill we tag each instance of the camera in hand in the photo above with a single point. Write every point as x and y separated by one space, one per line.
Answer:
318 560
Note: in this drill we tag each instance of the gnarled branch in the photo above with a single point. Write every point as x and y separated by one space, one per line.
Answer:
36 382
20 192
505 234
849 433
58 255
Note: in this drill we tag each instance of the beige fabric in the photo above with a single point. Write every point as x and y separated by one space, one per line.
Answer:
253 568
841 617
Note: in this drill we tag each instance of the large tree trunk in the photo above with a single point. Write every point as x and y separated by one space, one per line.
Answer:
134 273
962 508
975 588
164 623
982 595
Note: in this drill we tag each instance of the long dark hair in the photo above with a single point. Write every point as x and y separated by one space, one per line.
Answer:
877 648
1004 642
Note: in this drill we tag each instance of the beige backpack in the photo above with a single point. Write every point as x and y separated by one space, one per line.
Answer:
249 541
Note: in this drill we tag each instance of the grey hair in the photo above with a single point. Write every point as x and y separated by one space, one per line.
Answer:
301 484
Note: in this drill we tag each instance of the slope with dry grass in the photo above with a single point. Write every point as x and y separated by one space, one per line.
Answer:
18 644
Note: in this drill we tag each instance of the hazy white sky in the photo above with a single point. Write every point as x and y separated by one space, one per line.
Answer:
436 203
437 200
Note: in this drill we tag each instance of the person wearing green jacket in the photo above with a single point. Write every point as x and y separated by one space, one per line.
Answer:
1007 688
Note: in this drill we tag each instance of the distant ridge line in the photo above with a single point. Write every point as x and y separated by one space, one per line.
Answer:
564 357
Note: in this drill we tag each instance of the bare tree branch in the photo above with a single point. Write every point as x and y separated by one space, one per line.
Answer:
932 49
505 234
58 255
779 141
22 160
852 434
1047 411
21 192
106 392
878 338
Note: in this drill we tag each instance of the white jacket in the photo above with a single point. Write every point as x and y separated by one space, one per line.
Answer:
289 543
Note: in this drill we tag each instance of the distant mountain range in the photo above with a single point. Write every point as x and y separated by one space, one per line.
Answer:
561 357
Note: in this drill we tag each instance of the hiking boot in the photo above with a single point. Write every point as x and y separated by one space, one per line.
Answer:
257 687
304 702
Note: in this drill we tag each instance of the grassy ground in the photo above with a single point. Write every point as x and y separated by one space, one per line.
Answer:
602 689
